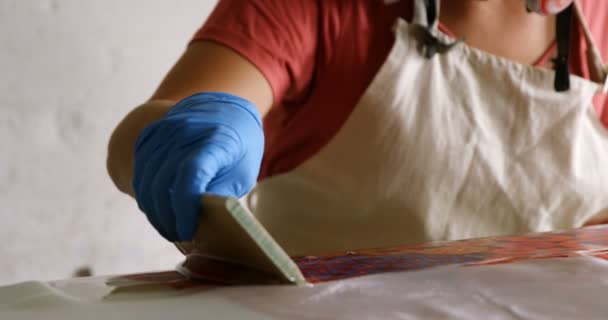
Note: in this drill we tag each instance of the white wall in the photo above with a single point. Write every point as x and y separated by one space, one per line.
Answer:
69 70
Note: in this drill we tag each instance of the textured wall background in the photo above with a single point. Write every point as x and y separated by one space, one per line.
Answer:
69 71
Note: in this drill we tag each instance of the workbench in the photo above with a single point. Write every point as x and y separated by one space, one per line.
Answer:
560 275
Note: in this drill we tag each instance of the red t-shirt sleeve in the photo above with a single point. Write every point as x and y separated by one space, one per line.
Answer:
279 37
596 13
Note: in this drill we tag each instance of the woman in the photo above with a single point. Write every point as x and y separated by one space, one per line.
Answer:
377 131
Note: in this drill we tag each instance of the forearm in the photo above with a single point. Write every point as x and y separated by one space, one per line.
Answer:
122 142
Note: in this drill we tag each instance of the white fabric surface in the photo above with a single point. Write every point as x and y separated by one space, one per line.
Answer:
573 288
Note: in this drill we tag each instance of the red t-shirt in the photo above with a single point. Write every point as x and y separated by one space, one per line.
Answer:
319 56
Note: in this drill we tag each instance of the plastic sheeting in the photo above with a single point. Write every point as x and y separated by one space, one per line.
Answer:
558 288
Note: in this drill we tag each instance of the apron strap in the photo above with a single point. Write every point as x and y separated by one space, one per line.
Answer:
598 70
563 34
426 15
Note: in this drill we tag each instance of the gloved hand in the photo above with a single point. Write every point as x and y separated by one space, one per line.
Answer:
206 143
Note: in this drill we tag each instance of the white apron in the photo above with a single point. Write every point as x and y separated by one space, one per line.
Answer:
464 144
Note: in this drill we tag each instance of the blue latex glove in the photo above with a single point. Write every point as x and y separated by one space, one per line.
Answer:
206 143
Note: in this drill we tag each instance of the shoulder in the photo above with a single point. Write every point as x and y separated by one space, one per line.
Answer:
354 25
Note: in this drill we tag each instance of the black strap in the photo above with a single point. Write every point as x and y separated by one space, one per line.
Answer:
431 12
561 62
432 45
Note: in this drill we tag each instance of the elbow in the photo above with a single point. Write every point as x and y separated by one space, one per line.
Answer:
115 164
121 147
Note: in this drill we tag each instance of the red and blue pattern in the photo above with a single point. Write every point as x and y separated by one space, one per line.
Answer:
467 253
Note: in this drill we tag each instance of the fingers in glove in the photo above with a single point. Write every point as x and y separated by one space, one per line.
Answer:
191 180
162 188
146 190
